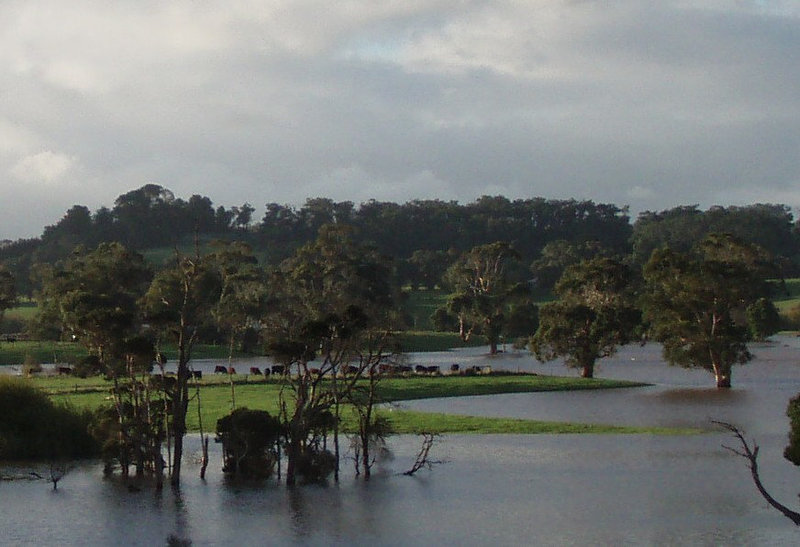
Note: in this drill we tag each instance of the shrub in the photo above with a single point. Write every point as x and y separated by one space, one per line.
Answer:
33 427
248 438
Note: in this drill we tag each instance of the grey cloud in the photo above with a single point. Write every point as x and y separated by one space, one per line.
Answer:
652 104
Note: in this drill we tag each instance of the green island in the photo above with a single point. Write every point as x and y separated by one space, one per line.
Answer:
215 397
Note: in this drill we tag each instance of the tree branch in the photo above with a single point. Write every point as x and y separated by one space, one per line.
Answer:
751 455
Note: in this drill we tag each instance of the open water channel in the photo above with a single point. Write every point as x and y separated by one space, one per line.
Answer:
492 490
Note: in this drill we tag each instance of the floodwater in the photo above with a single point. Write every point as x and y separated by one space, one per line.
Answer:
490 490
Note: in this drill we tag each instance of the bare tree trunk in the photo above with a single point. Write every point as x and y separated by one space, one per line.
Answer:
203 436
230 369
179 408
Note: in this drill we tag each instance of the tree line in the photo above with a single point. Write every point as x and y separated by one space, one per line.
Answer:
424 236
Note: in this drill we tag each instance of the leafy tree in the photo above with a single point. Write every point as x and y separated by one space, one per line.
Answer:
769 226
178 303
333 303
93 298
763 319
428 267
594 314
696 302
249 442
242 294
484 288
559 254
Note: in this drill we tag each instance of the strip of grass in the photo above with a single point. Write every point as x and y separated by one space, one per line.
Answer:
216 402
406 389
410 422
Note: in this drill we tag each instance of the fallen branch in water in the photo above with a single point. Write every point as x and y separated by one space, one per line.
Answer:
751 455
423 460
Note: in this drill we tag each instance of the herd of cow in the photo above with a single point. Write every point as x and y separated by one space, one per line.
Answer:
350 370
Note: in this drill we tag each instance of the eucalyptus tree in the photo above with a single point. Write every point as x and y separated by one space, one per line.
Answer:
331 320
593 315
484 287
696 303
178 305
93 297
242 293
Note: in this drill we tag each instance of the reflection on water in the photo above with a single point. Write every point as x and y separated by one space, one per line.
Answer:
494 490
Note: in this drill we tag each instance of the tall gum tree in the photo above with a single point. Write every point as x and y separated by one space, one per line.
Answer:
177 304
93 297
594 314
484 288
696 303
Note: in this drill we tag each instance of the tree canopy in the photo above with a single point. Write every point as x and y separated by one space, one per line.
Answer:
696 302
593 315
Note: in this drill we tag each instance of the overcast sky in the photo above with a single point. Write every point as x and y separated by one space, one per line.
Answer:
650 104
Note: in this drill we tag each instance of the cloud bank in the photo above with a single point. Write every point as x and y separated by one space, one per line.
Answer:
639 103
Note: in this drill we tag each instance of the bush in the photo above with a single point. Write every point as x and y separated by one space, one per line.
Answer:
33 427
248 438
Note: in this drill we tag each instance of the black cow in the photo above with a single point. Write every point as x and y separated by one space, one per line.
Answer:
255 371
64 370
278 369
220 369
454 367
197 374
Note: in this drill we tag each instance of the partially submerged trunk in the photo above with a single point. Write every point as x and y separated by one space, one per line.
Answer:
723 375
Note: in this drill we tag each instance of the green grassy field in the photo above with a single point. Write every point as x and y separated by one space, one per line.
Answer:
215 396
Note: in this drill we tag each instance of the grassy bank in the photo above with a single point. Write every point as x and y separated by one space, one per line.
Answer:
215 396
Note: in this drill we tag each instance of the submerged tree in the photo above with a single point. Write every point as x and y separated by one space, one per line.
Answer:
178 304
249 442
696 303
330 321
594 314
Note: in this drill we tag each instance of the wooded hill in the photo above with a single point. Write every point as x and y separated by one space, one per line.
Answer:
423 237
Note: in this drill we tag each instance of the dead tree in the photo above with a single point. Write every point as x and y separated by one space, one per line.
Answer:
751 455
423 456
